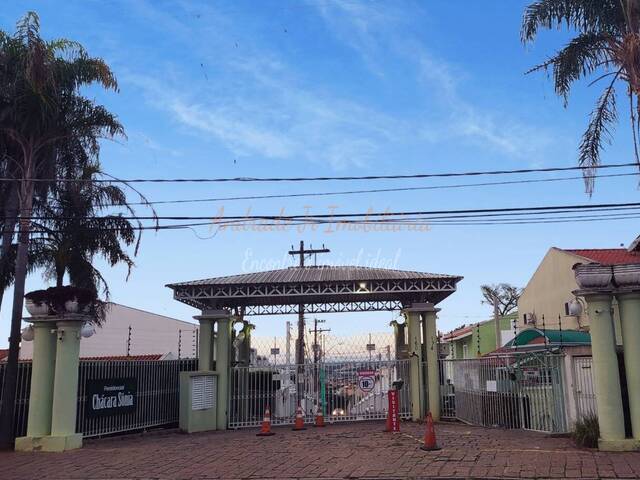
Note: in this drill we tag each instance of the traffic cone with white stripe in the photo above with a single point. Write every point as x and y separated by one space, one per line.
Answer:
387 425
319 417
265 431
299 424
430 436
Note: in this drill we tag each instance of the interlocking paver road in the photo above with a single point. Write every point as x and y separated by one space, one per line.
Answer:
352 451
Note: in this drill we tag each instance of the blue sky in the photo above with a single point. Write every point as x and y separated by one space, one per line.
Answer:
282 88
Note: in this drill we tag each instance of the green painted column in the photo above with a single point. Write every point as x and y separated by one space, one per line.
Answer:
629 305
415 363
42 376
605 368
431 346
223 351
205 345
65 388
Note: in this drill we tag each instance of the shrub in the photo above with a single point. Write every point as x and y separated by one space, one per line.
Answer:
586 431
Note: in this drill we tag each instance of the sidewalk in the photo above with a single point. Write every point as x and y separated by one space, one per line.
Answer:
354 451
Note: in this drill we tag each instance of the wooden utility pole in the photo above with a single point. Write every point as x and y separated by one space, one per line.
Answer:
302 253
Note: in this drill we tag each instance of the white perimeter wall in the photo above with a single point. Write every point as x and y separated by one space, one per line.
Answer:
150 334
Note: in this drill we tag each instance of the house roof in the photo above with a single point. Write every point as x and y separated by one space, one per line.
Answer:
534 336
607 256
459 333
466 330
4 353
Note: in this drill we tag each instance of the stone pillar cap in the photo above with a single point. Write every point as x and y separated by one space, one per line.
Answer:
421 307
213 315
67 317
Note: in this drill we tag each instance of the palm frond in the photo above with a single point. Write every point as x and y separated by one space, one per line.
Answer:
596 16
598 133
580 57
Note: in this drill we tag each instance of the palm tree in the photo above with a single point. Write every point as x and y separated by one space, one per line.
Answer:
606 48
73 232
37 79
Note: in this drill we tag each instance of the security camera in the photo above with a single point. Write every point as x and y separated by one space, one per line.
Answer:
398 384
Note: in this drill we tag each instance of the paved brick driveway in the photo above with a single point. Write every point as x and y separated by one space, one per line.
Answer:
339 451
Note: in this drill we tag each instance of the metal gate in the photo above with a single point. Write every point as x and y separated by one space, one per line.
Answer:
523 390
345 391
583 386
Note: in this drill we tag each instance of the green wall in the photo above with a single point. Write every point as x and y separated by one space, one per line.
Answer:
485 334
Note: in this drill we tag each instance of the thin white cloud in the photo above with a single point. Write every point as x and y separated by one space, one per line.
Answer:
279 122
374 32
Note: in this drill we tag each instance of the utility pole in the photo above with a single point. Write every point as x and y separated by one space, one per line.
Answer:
315 331
302 253
316 351
496 319
288 345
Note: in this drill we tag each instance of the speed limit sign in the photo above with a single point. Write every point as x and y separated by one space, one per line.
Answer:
366 384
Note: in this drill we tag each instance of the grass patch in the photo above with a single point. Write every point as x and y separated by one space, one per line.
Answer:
586 431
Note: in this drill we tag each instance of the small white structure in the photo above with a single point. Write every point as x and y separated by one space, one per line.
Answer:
134 332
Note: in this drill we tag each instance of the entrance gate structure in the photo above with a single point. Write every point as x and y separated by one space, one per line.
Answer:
245 388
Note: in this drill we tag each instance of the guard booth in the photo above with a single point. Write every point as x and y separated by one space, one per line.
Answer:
342 390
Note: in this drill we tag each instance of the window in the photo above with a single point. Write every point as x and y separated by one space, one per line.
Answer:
465 351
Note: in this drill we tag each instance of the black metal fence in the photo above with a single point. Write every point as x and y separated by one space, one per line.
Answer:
157 394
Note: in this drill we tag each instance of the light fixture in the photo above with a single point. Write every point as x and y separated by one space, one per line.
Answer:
87 330
574 308
27 333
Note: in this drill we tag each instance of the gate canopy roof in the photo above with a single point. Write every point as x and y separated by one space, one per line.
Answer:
318 288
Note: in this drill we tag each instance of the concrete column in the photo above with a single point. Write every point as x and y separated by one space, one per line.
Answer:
65 388
605 370
629 306
415 363
433 368
42 376
205 346
223 351
399 342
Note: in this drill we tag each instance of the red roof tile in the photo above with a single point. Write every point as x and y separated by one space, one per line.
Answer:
457 333
608 256
4 353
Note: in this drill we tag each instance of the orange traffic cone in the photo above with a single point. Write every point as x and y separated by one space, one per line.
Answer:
319 418
299 425
387 426
265 431
430 436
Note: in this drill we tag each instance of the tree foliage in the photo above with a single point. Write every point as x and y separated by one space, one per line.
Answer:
606 48
505 294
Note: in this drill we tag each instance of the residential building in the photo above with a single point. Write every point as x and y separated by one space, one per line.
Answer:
132 332
547 301
474 340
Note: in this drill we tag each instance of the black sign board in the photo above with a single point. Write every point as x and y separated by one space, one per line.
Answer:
114 396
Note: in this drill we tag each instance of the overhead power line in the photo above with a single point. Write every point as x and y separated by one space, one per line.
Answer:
405 223
375 190
383 215
335 178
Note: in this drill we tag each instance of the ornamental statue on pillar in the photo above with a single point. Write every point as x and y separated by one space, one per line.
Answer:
60 317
